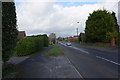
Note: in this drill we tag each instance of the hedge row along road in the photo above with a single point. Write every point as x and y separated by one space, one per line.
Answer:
30 45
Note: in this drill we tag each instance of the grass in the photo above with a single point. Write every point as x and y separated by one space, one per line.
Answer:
54 51
102 45
88 44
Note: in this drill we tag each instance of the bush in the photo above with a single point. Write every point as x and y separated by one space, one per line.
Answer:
29 45
45 38
9 29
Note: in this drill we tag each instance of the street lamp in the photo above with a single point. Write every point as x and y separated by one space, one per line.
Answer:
77 29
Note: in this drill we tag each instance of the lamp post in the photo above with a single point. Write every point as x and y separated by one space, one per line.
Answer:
77 29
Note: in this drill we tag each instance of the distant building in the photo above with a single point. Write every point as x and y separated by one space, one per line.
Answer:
21 35
71 39
52 35
75 38
66 38
52 38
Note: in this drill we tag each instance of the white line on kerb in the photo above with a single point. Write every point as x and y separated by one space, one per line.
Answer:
75 68
108 60
76 48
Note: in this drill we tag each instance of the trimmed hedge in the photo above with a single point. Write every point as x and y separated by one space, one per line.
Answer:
29 45
45 38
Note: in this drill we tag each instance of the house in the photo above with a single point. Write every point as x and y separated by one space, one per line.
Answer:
71 39
21 34
52 38
75 38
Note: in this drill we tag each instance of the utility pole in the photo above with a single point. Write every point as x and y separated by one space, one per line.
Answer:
77 32
77 29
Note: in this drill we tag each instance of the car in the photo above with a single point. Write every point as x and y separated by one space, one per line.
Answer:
68 44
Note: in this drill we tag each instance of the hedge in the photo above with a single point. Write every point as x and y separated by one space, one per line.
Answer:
45 38
29 45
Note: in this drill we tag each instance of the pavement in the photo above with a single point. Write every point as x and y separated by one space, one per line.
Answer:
17 60
40 66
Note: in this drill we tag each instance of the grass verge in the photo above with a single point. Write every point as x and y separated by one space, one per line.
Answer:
88 44
54 51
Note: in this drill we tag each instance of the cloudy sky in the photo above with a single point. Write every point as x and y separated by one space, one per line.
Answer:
58 16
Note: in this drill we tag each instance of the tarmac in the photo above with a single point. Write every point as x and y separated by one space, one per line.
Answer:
40 66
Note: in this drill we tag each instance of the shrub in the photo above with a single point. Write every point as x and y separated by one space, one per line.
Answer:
9 29
29 45
45 38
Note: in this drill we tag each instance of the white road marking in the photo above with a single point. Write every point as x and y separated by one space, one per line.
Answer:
75 68
80 50
62 43
75 48
89 53
108 60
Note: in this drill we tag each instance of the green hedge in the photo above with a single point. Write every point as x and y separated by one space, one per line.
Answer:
29 45
45 38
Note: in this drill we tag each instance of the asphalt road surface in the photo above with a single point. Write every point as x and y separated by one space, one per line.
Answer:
92 63
41 66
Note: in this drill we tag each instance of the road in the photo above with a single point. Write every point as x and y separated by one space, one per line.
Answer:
92 63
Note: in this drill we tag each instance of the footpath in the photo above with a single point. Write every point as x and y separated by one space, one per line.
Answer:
40 66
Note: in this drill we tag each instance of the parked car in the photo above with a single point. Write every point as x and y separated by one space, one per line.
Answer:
68 44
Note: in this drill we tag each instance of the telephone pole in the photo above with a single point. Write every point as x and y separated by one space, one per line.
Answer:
77 29
77 32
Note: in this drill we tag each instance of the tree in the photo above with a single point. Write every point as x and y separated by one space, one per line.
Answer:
81 37
9 29
117 28
100 27
116 24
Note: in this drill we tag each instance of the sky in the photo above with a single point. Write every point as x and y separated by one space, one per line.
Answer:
57 16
